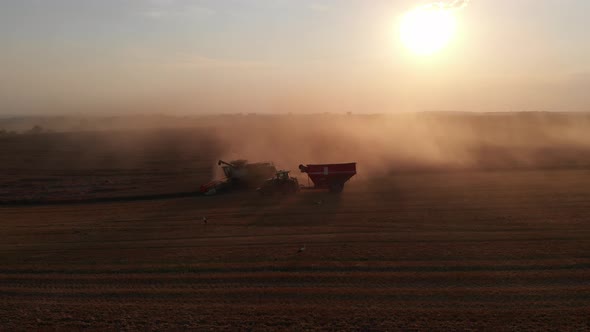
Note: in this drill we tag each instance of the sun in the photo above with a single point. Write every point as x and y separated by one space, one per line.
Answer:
426 30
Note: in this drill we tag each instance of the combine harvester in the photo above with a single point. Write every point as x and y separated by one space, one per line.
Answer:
329 176
239 174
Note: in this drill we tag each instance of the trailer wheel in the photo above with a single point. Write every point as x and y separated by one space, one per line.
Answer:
336 187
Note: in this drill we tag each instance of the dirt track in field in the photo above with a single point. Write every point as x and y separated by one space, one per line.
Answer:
479 250
428 245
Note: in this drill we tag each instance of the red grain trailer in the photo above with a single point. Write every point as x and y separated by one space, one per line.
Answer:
330 176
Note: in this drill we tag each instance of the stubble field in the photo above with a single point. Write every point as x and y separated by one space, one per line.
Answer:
477 249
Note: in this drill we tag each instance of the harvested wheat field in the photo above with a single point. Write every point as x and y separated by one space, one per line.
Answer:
454 249
294 165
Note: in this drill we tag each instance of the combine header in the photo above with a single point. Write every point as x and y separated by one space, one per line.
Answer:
330 176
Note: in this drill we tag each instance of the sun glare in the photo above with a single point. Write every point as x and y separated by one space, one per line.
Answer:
426 30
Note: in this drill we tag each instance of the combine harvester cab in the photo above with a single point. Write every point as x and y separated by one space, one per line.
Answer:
329 176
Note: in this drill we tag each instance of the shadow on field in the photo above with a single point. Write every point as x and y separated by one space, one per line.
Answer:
302 209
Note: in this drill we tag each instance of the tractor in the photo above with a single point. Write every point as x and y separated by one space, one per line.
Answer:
280 183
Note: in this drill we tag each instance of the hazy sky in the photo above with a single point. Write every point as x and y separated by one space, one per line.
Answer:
287 56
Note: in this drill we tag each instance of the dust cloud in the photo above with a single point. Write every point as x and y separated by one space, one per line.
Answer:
139 155
413 142
380 144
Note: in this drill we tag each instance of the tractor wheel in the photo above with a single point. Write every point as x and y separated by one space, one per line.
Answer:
287 189
295 187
